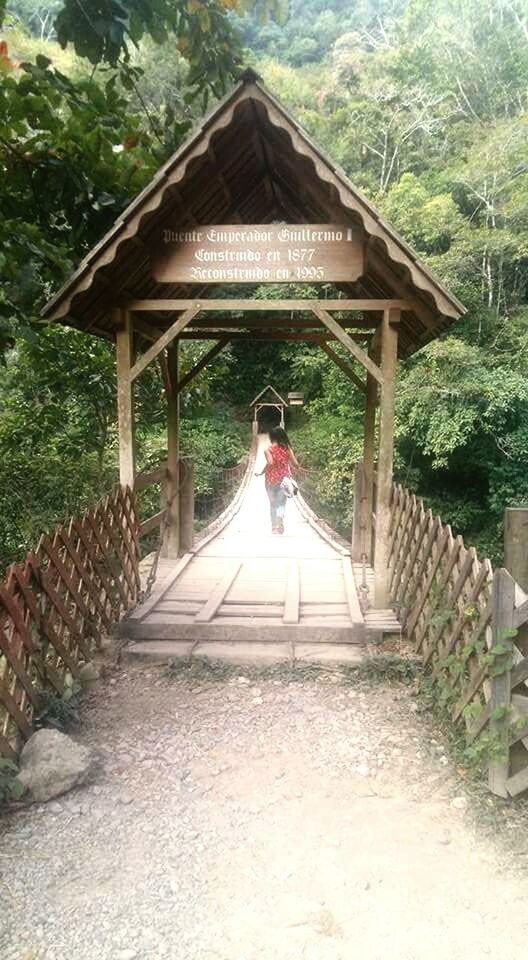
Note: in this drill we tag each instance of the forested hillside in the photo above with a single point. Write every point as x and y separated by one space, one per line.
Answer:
424 104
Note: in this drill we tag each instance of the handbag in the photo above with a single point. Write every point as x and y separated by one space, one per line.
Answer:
289 487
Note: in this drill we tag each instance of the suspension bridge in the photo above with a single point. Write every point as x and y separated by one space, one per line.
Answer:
242 587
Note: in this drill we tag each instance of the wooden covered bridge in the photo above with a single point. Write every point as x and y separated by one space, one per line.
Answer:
250 200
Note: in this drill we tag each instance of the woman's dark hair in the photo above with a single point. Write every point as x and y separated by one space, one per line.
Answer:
278 435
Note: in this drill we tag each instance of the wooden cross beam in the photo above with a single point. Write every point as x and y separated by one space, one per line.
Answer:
265 305
347 342
344 366
308 336
202 362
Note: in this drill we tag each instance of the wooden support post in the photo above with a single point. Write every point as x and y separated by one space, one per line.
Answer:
369 438
171 545
516 544
389 355
125 397
186 504
357 532
334 327
503 605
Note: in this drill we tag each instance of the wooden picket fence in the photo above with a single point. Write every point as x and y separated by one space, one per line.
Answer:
467 623
57 604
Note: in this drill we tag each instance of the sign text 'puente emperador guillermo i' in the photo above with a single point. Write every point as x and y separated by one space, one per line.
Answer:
262 253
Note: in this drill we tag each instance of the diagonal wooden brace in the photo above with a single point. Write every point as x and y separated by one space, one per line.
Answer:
334 327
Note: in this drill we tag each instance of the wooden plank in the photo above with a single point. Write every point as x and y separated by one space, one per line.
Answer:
419 600
402 504
389 362
455 548
451 601
243 306
56 562
217 597
91 586
344 366
164 341
16 615
115 581
97 565
14 711
293 594
441 544
519 673
347 342
250 335
517 784
241 253
124 510
462 616
6 749
18 668
409 573
503 604
114 532
405 544
147 526
148 477
125 397
64 614
520 614
144 608
231 630
249 611
369 443
481 674
351 592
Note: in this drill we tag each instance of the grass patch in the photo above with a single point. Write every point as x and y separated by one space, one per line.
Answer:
383 668
389 667
206 669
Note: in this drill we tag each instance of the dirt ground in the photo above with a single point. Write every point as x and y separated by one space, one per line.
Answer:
243 817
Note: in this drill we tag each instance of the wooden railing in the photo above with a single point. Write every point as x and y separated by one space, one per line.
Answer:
56 606
467 623
207 509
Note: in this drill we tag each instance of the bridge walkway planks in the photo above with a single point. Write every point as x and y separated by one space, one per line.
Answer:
242 583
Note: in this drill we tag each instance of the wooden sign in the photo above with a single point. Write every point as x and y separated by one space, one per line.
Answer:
265 253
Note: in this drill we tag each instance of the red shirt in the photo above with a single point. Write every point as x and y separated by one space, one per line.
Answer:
280 466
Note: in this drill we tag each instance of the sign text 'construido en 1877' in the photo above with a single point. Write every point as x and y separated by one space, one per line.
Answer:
262 253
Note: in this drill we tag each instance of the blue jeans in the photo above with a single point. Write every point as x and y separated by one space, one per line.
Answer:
277 499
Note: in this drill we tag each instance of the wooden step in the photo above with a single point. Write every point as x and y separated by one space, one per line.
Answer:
248 652
226 629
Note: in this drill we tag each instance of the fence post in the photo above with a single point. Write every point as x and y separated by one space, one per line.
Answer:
503 605
358 515
186 495
516 544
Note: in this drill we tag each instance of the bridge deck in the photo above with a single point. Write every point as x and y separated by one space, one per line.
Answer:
242 583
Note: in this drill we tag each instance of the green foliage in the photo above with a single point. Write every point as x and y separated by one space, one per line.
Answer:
10 787
386 667
59 711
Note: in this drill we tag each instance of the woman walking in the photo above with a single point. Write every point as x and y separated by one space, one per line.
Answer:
280 458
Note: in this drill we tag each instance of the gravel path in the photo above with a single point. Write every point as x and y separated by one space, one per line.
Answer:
251 819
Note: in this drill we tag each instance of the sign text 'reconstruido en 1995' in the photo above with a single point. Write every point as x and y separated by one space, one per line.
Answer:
265 253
